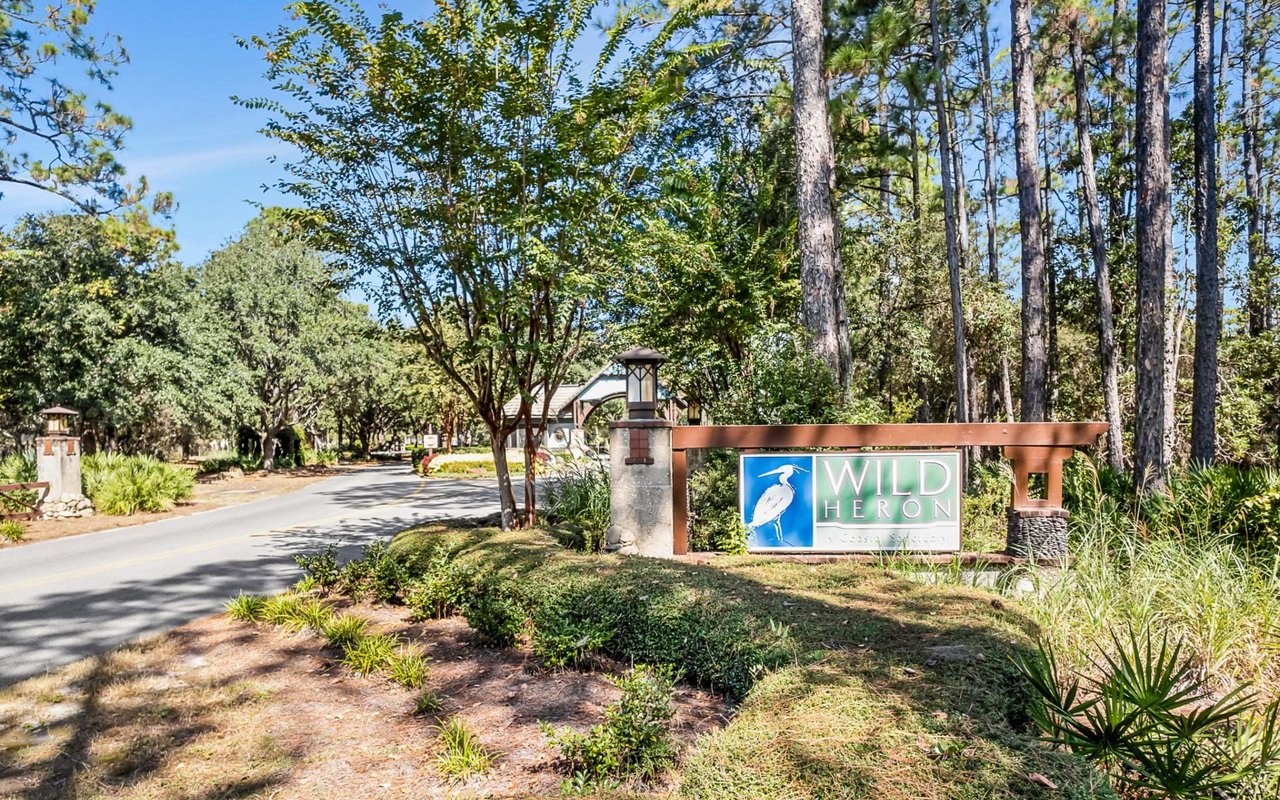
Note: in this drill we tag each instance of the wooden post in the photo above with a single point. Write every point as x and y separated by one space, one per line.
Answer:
680 501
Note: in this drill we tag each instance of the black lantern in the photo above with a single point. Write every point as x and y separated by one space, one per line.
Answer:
641 367
58 420
694 411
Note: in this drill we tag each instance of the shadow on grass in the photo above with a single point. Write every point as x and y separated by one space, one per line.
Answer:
892 688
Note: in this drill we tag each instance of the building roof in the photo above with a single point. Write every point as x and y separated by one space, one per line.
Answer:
560 399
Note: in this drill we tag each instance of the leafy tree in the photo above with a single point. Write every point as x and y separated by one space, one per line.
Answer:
55 138
273 312
93 315
476 175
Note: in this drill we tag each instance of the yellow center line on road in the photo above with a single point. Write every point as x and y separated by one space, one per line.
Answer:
195 548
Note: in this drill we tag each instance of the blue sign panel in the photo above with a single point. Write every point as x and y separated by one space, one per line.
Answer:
851 502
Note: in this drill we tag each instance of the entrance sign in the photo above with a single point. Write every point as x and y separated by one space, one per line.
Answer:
851 502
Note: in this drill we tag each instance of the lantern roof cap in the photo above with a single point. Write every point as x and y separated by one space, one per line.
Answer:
60 411
643 355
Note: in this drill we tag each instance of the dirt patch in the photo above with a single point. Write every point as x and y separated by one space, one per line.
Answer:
225 709
212 491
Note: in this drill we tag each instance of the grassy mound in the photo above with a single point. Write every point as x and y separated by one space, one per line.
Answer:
854 682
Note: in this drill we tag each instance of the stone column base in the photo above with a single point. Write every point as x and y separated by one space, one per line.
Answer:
1037 533
66 507
640 504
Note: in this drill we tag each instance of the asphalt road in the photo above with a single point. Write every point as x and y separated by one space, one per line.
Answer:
65 599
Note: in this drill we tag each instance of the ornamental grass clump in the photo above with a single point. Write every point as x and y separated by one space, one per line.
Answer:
578 504
461 753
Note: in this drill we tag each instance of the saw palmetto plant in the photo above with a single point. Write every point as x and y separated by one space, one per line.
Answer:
1145 714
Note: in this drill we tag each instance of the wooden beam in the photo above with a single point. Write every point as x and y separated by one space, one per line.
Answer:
938 434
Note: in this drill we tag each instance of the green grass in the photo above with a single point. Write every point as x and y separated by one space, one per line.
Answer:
461 753
843 693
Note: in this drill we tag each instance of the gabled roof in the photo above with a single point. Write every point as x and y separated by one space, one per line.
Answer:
560 399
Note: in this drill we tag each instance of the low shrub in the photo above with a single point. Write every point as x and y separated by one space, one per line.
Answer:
578 503
121 485
247 607
217 463
321 568
378 572
1144 713
469 467
461 753
12 530
427 702
694 633
495 610
442 585
633 740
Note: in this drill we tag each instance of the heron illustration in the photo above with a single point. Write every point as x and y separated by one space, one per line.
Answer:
776 499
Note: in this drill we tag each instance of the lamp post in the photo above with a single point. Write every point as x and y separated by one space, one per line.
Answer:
641 367
694 411
58 420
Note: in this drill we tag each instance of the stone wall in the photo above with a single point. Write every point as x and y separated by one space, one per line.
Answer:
640 488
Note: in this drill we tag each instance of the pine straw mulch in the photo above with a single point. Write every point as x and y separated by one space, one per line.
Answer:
222 709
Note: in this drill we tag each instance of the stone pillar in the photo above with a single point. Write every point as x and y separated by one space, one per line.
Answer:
640 488
1039 533
58 464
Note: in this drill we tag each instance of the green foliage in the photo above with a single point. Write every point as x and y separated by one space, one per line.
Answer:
321 568
295 612
715 522
122 485
344 631
1145 713
377 572
275 326
409 669
12 530
461 753
495 610
633 739
18 468
371 653
698 637
578 504
218 463
1242 503
247 607
984 503
62 141
426 702
783 383
441 586
95 314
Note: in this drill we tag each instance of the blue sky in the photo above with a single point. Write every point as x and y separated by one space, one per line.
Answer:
188 137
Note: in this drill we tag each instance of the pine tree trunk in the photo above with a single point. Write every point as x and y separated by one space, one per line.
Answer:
1205 380
1153 246
1254 293
949 219
821 277
994 381
1051 277
1034 347
1098 250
